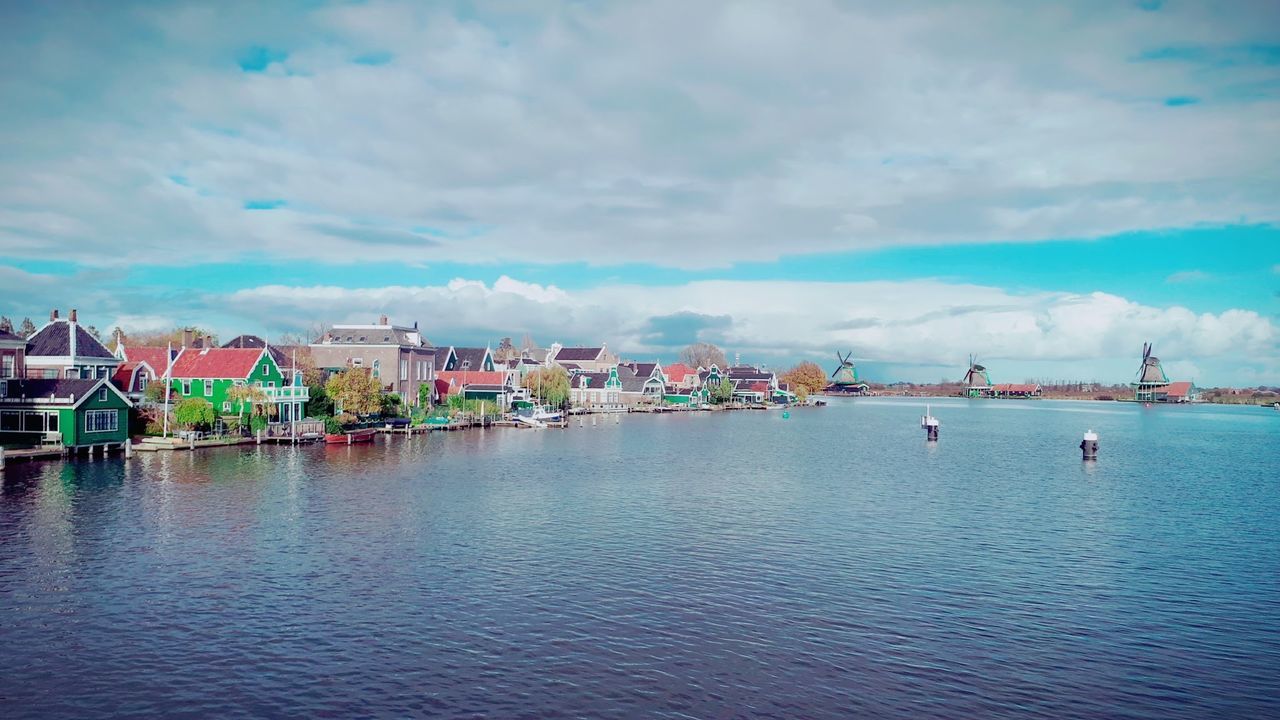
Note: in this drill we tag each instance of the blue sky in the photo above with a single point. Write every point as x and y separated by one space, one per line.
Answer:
1044 186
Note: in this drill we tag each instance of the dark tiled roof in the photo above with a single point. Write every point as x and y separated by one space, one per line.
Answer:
61 388
54 340
473 356
631 381
9 337
594 379
578 353
643 369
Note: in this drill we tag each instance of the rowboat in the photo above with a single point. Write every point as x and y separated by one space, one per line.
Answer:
350 438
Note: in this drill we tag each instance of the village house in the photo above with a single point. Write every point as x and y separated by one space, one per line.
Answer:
75 413
644 385
399 356
140 365
62 348
596 391
465 358
210 373
491 385
13 352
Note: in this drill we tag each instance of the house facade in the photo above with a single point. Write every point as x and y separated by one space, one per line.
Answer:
13 353
62 348
75 412
211 373
596 391
398 356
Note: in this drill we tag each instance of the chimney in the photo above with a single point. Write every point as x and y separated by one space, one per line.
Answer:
382 320
53 314
186 337
72 315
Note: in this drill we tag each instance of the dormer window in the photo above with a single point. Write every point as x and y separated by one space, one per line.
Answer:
363 338
266 369
348 338
466 364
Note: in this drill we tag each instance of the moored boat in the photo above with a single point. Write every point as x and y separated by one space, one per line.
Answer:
363 435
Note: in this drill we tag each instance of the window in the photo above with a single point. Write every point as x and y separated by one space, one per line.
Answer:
71 373
33 422
266 369
96 421
348 338
4 388
357 362
377 367
52 422
363 338
208 388
102 394
386 338
102 371
142 381
52 374
466 364
10 420
226 406
404 369
186 387
6 366
271 383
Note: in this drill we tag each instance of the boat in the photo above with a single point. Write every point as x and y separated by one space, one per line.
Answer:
363 435
541 414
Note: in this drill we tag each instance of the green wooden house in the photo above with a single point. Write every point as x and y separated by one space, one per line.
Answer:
210 373
73 412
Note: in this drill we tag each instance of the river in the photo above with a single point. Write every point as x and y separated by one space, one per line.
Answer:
712 565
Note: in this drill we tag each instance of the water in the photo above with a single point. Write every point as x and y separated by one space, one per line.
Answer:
714 565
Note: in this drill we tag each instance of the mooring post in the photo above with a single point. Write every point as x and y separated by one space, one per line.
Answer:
128 447
1089 446
191 441
930 425
1 457
257 437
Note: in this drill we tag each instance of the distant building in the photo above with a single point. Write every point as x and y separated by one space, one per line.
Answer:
1016 390
977 382
62 348
400 357
590 359
13 352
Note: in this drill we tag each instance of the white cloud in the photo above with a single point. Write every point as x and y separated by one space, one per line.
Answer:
925 322
688 134
1186 276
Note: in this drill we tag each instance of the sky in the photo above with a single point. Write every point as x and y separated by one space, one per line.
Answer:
1043 185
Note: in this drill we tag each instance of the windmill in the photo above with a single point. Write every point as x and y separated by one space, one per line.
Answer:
844 378
976 380
1150 376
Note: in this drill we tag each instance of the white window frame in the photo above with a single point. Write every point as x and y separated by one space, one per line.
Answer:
266 369
357 362
208 388
102 394
114 425
186 387
8 366
404 369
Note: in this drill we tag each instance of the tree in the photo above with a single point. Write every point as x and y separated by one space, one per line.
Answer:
117 335
722 392
550 385
194 413
247 396
355 390
6 325
319 404
425 392
92 330
165 337
28 328
506 351
807 375
703 355
389 405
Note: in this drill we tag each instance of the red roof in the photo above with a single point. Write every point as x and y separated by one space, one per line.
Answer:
216 363
462 378
677 372
1015 388
153 356
122 378
1179 389
760 387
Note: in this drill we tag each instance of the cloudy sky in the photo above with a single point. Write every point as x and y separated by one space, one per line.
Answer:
1044 185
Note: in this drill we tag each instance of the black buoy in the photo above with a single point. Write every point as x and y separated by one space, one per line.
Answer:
930 425
1089 445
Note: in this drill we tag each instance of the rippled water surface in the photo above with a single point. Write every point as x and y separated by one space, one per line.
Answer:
713 565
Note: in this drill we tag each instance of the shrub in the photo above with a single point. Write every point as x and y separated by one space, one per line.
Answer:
194 413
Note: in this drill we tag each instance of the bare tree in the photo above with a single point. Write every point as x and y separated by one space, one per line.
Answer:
28 328
703 355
